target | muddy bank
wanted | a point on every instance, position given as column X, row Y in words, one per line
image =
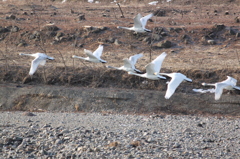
column 62, row 98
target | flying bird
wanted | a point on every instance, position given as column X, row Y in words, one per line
column 176, row 80
column 152, row 68
column 93, row 57
column 40, row 59
column 129, row 64
column 153, row 3
column 139, row 23
column 228, row 84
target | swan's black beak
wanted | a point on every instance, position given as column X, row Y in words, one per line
column 149, row 31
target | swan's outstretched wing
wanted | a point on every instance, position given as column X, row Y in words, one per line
column 150, row 69
column 232, row 80
column 87, row 51
column 229, row 80
column 145, row 19
column 98, row 52
column 127, row 63
column 187, row 79
column 43, row 62
column 219, row 90
column 34, row 65
column 137, row 22
column 134, row 58
column 157, row 63
column 89, row 54
column 172, row 85
column 213, row 90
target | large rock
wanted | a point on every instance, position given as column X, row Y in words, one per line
column 218, row 27
column 51, row 33
column 232, row 31
column 4, row 30
column 160, row 13
column 156, row 37
column 81, row 17
column 164, row 44
column 161, row 31
column 35, row 35
column 13, row 28
column 11, row 16
column 50, row 28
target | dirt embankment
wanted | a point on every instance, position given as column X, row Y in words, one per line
column 107, row 100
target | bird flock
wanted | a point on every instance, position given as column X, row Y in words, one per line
column 152, row 69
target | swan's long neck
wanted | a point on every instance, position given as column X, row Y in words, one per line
column 102, row 61
column 78, row 57
column 188, row 79
column 136, row 74
column 162, row 77
column 165, row 74
column 113, row 67
column 125, row 28
column 208, row 84
column 138, row 71
column 26, row 54
column 147, row 30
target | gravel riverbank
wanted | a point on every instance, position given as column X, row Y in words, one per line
column 94, row 135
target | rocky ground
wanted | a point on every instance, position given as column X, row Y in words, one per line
column 83, row 135
column 201, row 40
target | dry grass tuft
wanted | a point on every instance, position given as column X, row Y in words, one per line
column 102, row 78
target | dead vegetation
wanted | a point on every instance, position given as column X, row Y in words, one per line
column 204, row 41
column 107, row 78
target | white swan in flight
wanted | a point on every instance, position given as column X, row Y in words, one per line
column 93, row 57
column 40, row 58
column 129, row 64
column 177, row 78
column 152, row 68
column 139, row 23
column 228, row 84
column 153, row 3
